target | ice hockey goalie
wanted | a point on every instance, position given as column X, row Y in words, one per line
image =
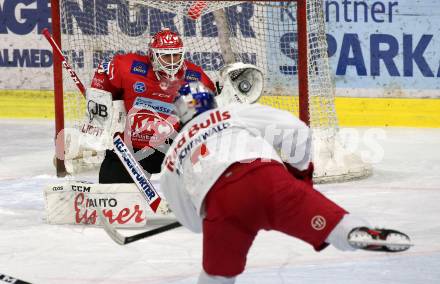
column 147, row 85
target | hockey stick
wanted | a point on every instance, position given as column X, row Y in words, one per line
column 132, row 166
column 56, row 49
column 144, row 185
column 135, row 171
column 123, row 240
column 8, row 279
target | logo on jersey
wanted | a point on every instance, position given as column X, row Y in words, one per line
column 139, row 68
column 154, row 105
column 200, row 152
column 192, row 140
column 162, row 95
column 104, row 68
column 191, row 76
column 139, row 87
column 318, row 223
column 146, row 126
column 98, row 83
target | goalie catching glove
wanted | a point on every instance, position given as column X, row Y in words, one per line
column 103, row 118
column 242, row 83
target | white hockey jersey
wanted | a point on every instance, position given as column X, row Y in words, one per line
column 214, row 140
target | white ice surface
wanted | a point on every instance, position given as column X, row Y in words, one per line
column 403, row 193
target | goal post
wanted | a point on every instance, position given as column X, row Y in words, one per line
column 58, row 92
column 286, row 39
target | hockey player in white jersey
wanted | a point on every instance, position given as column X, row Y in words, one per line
column 240, row 168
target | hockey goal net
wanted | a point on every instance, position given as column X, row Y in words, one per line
column 286, row 39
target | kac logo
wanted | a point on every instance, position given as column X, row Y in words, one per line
column 139, row 87
column 152, row 128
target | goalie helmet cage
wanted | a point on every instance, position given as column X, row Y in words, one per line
column 286, row 39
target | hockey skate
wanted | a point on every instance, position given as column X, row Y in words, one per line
column 378, row 240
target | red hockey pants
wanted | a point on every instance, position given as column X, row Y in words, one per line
column 261, row 195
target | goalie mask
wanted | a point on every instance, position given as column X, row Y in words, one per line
column 242, row 83
column 193, row 99
column 167, row 52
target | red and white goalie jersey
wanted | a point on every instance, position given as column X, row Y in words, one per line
column 216, row 139
column 148, row 97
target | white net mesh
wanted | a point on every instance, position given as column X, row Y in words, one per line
column 214, row 32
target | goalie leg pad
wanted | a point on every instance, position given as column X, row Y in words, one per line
column 77, row 203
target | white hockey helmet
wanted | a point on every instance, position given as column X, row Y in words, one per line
column 242, row 83
column 167, row 52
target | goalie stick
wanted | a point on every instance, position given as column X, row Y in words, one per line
column 142, row 182
column 56, row 49
column 123, row 240
column 132, row 166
